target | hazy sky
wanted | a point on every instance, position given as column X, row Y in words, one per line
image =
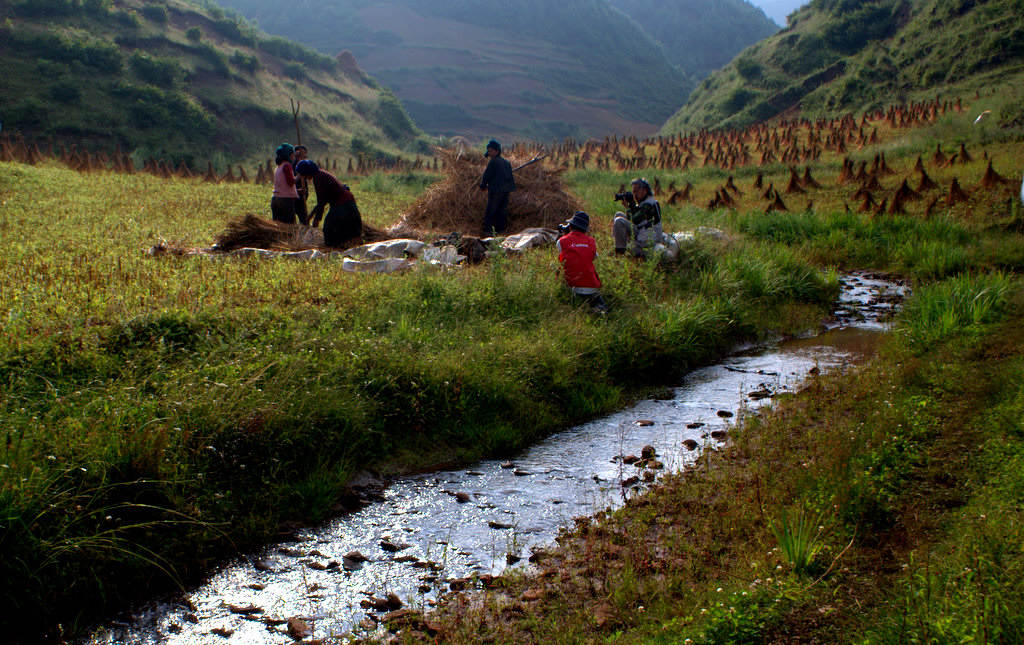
column 777, row 10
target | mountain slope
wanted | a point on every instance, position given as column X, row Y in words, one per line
column 852, row 55
column 528, row 68
column 181, row 80
column 700, row 35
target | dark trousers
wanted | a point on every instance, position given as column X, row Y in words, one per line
column 496, row 216
column 283, row 209
column 342, row 224
column 595, row 300
column 301, row 211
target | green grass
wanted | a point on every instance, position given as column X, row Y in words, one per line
column 162, row 412
column 958, row 305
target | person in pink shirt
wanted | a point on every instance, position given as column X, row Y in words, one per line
column 282, row 204
column 576, row 252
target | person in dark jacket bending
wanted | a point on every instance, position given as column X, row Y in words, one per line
column 498, row 183
column 343, row 221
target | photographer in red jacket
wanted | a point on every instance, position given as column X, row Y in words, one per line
column 576, row 252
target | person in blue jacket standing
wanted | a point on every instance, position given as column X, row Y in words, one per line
column 498, row 183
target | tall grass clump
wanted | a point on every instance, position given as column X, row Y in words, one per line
column 799, row 535
column 771, row 275
column 953, row 306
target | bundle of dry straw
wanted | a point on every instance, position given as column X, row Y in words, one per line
column 254, row 232
column 457, row 203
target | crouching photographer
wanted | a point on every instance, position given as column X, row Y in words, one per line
column 576, row 252
column 638, row 229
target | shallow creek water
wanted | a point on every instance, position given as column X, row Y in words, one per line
column 430, row 532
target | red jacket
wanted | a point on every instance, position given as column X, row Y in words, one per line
column 576, row 252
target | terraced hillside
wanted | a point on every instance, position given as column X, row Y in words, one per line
column 700, row 36
column 846, row 55
column 184, row 81
column 536, row 70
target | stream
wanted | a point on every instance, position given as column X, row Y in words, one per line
column 428, row 533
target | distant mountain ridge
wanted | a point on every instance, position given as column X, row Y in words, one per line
column 512, row 68
column 700, row 36
column 184, row 81
column 855, row 55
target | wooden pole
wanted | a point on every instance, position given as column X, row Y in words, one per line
column 296, row 106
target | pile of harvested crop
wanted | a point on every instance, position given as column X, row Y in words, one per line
column 257, row 233
column 457, row 203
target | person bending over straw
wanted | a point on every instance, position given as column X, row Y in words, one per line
column 343, row 222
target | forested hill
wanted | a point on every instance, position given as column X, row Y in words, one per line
column 700, row 36
column 182, row 81
column 526, row 68
column 851, row 55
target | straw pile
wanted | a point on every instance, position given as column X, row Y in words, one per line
column 457, row 203
column 254, row 232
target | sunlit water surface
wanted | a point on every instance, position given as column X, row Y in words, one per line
column 450, row 525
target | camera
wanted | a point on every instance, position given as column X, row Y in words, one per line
column 626, row 197
column 563, row 228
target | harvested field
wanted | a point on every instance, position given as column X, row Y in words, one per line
column 541, row 199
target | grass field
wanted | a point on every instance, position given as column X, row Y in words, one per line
column 160, row 413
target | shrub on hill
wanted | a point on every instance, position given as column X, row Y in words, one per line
column 163, row 72
column 155, row 12
column 102, row 56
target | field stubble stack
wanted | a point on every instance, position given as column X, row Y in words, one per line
column 456, row 203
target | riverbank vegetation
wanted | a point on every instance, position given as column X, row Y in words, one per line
column 878, row 506
column 162, row 412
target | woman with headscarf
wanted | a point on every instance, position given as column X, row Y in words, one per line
column 343, row 221
column 282, row 204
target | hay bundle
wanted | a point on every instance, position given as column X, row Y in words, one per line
column 254, row 232
column 457, row 203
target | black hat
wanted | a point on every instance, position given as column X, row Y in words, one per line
column 642, row 182
column 493, row 143
column 580, row 220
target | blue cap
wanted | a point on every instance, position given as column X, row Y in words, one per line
column 306, row 167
